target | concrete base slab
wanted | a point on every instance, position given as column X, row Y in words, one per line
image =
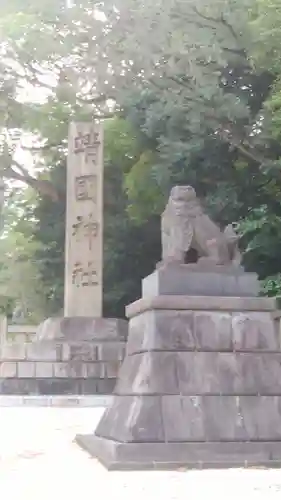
column 172, row 456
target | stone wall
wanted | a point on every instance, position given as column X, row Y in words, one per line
column 59, row 366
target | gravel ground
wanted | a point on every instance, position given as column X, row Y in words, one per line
column 38, row 460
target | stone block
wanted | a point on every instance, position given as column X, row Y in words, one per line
column 25, row 369
column 254, row 331
column 111, row 351
column 78, row 329
column 197, row 373
column 234, row 373
column 58, row 386
column 174, row 331
column 111, row 369
column 42, row 351
column 127, row 374
column 229, row 374
column 180, row 331
column 8, row 369
column 183, row 418
column 148, row 373
column 13, row 352
column 261, row 416
column 185, row 302
column 18, row 386
column 82, row 351
column 260, row 373
column 95, row 370
column 141, row 327
column 89, row 386
column 222, row 419
column 105, row 385
column 133, row 419
column 213, row 330
column 194, row 280
column 44, row 369
column 74, row 369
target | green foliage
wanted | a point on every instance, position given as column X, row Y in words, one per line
column 195, row 90
column 271, row 286
column 20, row 279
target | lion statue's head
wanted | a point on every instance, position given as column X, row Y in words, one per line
column 183, row 194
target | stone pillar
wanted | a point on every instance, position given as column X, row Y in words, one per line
column 84, row 221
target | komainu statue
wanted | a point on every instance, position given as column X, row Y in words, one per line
column 187, row 230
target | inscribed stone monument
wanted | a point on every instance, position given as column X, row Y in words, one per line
column 84, row 221
column 200, row 385
column 81, row 352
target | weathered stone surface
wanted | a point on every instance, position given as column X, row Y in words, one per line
column 259, row 373
column 127, row 374
column 197, row 373
column 42, row 351
column 82, row 351
column 25, row 369
column 184, row 280
column 111, row 369
column 55, row 386
column 18, row 386
column 148, row 373
column 111, row 351
column 255, row 331
column 174, row 331
column 8, row 369
column 213, row 330
column 184, row 302
column 74, row 369
column 262, row 416
column 13, row 352
column 83, row 328
column 183, row 418
column 141, row 329
column 204, row 330
column 44, row 370
column 95, row 370
column 84, row 209
column 133, row 419
column 161, row 330
column 104, row 385
column 141, row 456
column 222, row 419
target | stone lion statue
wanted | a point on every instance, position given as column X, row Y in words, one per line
column 186, row 228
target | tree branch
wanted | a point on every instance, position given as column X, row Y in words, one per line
column 43, row 187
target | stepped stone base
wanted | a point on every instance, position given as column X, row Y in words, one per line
column 168, row 456
column 200, row 386
column 69, row 356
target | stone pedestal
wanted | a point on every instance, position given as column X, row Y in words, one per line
column 69, row 356
column 200, row 386
column 191, row 279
